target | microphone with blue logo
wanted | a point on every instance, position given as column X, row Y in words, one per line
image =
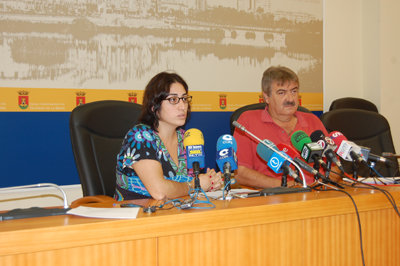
column 226, row 158
column 276, row 162
column 194, row 144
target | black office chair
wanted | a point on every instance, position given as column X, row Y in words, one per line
column 365, row 128
column 353, row 103
column 97, row 130
column 235, row 115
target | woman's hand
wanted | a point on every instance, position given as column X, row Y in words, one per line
column 211, row 181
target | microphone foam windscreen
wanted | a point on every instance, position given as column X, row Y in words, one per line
column 226, row 142
column 299, row 138
column 270, row 143
column 193, row 136
column 337, row 137
column 292, row 153
column 264, row 152
column 317, row 135
column 226, row 152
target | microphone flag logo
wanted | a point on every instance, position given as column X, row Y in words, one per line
column 336, row 134
column 305, row 153
column 275, row 163
column 224, row 153
column 195, row 150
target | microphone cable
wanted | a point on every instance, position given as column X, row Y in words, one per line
column 224, row 189
column 387, row 194
column 357, row 214
column 195, row 196
column 184, row 204
column 378, row 175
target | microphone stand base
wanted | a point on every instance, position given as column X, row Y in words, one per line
column 32, row 212
column 283, row 190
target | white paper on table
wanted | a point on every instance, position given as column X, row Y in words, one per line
column 218, row 194
column 108, row 213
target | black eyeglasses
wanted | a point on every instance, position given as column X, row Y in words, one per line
column 175, row 99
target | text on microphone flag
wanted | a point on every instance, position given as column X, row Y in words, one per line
column 195, row 150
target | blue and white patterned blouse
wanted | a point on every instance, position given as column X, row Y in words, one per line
column 141, row 142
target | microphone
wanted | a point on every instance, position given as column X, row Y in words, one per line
column 389, row 154
column 226, row 157
column 301, row 163
column 363, row 152
column 309, row 151
column 380, row 159
column 328, row 146
column 193, row 142
column 347, row 150
column 292, row 153
column 275, row 161
column 274, row 148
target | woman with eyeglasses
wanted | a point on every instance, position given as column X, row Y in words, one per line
column 152, row 160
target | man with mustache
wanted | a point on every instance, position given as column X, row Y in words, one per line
column 277, row 122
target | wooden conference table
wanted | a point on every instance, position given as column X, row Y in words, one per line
column 315, row 228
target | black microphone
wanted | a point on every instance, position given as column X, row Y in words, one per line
column 309, row 151
column 328, row 145
column 389, row 154
column 308, row 168
column 311, row 170
column 380, row 159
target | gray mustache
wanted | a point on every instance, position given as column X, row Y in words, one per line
column 289, row 103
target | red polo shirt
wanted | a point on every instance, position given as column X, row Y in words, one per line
column 260, row 123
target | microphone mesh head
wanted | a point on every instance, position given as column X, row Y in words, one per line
column 317, row 135
column 225, row 142
column 337, row 137
column 193, row 136
column 264, row 152
column 299, row 138
column 288, row 150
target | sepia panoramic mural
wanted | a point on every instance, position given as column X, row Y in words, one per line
column 56, row 54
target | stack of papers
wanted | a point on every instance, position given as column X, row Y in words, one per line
column 108, row 213
column 238, row 192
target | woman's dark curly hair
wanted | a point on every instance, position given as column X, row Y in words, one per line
column 155, row 92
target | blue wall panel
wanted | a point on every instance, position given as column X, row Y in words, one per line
column 36, row 147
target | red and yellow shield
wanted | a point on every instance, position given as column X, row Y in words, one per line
column 80, row 98
column 222, row 101
column 132, row 97
column 23, row 99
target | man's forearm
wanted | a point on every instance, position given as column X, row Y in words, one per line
column 249, row 177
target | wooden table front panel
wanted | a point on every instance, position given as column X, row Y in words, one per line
column 331, row 240
column 317, row 228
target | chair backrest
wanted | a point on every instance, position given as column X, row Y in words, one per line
column 97, row 130
column 353, row 103
column 235, row 115
column 365, row 128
